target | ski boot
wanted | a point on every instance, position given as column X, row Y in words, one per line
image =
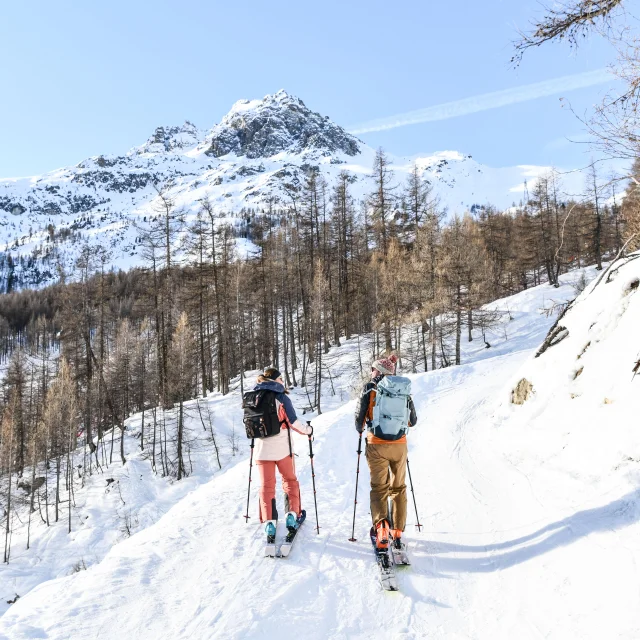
column 382, row 535
column 293, row 523
column 399, row 549
column 270, row 530
column 291, row 520
column 396, row 536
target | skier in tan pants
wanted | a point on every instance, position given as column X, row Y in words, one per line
column 387, row 459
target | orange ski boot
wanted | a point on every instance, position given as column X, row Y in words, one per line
column 382, row 534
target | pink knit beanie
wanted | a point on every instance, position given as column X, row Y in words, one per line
column 386, row 365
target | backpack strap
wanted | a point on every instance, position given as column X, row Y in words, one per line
column 289, row 435
column 285, row 423
column 372, row 403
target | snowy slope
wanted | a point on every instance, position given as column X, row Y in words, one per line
column 531, row 512
column 113, row 500
column 258, row 153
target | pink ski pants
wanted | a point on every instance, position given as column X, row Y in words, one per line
column 267, row 469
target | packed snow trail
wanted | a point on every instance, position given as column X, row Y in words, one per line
column 529, row 532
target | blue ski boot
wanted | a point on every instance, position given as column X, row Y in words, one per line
column 270, row 530
column 291, row 521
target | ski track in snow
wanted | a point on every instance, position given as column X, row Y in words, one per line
column 519, row 540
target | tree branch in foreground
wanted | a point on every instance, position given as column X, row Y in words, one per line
column 568, row 22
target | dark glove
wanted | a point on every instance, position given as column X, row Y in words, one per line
column 360, row 428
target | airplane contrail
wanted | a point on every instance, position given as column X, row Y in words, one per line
column 487, row 101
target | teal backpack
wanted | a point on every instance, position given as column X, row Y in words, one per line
column 391, row 409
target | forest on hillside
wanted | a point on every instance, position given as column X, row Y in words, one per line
column 100, row 346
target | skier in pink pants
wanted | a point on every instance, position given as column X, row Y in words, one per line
column 277, row 451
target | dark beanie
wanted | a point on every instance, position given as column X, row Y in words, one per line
column 271, row 373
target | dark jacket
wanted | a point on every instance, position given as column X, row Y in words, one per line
column 365, row 399
column 281, row 396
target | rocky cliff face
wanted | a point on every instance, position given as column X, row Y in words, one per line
column 166, row 139
column 264, row 128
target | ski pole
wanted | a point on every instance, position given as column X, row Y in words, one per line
column 414, row 497
column 355, row 500
column 247, row 516
column 313, row 479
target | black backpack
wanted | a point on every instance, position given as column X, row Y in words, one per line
column 260, row 414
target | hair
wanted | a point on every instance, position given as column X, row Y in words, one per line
column 263, row 378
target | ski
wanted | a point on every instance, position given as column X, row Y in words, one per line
column 270, row 547
column 292, row 534
column 384, row 561
column 400, row 554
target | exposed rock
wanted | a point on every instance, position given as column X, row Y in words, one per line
column 171, row 139
column 522, row 392
column 14, row 208
column 261, row 129
column 108, row 162
column 586, row 346
column 250, row 171
column 115, row 181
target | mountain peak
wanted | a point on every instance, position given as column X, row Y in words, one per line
column 276, row 123
column 280, row 98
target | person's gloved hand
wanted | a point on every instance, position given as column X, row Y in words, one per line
column 359, row 428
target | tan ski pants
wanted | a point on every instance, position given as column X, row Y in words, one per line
column 388, row 466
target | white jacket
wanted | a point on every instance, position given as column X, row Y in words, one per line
column 277, row 447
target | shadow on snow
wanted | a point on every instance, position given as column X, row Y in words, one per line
column 620, row 513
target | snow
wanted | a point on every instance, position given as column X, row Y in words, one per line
column 244, row 105
column 531, row 513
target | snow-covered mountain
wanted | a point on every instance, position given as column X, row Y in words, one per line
column 259, row 151
column 530, row 512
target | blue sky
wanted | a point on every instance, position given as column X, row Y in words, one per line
column 84, row 78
